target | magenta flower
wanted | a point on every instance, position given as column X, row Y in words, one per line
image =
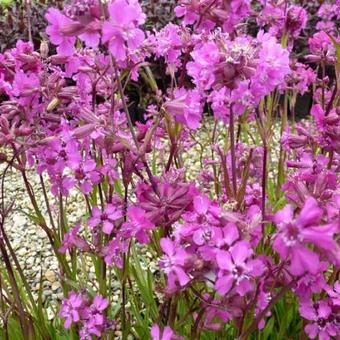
column 26, row 87
column 312, row 283
column 94, row 319
column 114, row 250
column 99, row 303
column 61, row 184
column 237, row 269
column 87, row 175
column 71, row 239
column 57, row 21
column 322, row 325
column 71, row 308
column 91, row 36
column 293, row 234
column 173, row 200
column 138, row 225
column 296, row 20
column 272, row 68
column 334, row 293
column 106, row 218
column 173, row 264
column 186, row 107
column 227, row 236
column 205, row 56
column 121, row 31
column 166, row 334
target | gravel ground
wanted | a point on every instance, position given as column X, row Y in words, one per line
column 30, row 241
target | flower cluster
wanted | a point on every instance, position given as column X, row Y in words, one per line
column 77, row 308
column 255, row 228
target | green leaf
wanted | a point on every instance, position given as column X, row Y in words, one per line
column 14, row 329
column 145, row 284
column 6, row 3
column 268, row 330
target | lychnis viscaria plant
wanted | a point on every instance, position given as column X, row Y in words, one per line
column 244, row 245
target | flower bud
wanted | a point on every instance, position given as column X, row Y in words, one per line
column 26, row 58
column 52, row 118
column 58, row 59
column 53, row 104
column 83, row 131
column 72, row 29
column 44, row 49
column 23, row 131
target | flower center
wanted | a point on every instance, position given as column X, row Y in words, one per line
column 292, row 235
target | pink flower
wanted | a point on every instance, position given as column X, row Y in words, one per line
column 334, row 293
column 169, row 44
column 322, row 325
column 114, row 250
column 193, row 11
column 205, row 57
column 166, row 334
column 173, row 200
column 26, row 87
column 138, row 225
column 57, row 21
column 320, row 44
column 172, row 263
column 186, row 107
column 71, row 239
column 94, row 319
column 87, row 175
column 272, row 68
column 236, row 269
column 71, row 308
column 296, row 20
column 61, row 184
column 294, row 233
column 220, row 102
column 106, row 218
column 121, row 31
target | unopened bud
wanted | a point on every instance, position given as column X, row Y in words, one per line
column 58, row 59
column 85, row 69
column 29, row 92
column 53, row 104
column 72, row 29
column 50, row 117
column 26, row 58
column 313, row 58
column 23, row 131
column 83, row 131
column 44, row 49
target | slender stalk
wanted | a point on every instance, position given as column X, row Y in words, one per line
column 264, row 181
column 121, row 93
column 173, row 149
column 124, row 276
column 232, row 150
column 47, row 202
column 331, row 101
column 281, row 164
column 61, row 216
column 26, row 327
column 132, row 131
column 29, row 17
column 226, row 179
